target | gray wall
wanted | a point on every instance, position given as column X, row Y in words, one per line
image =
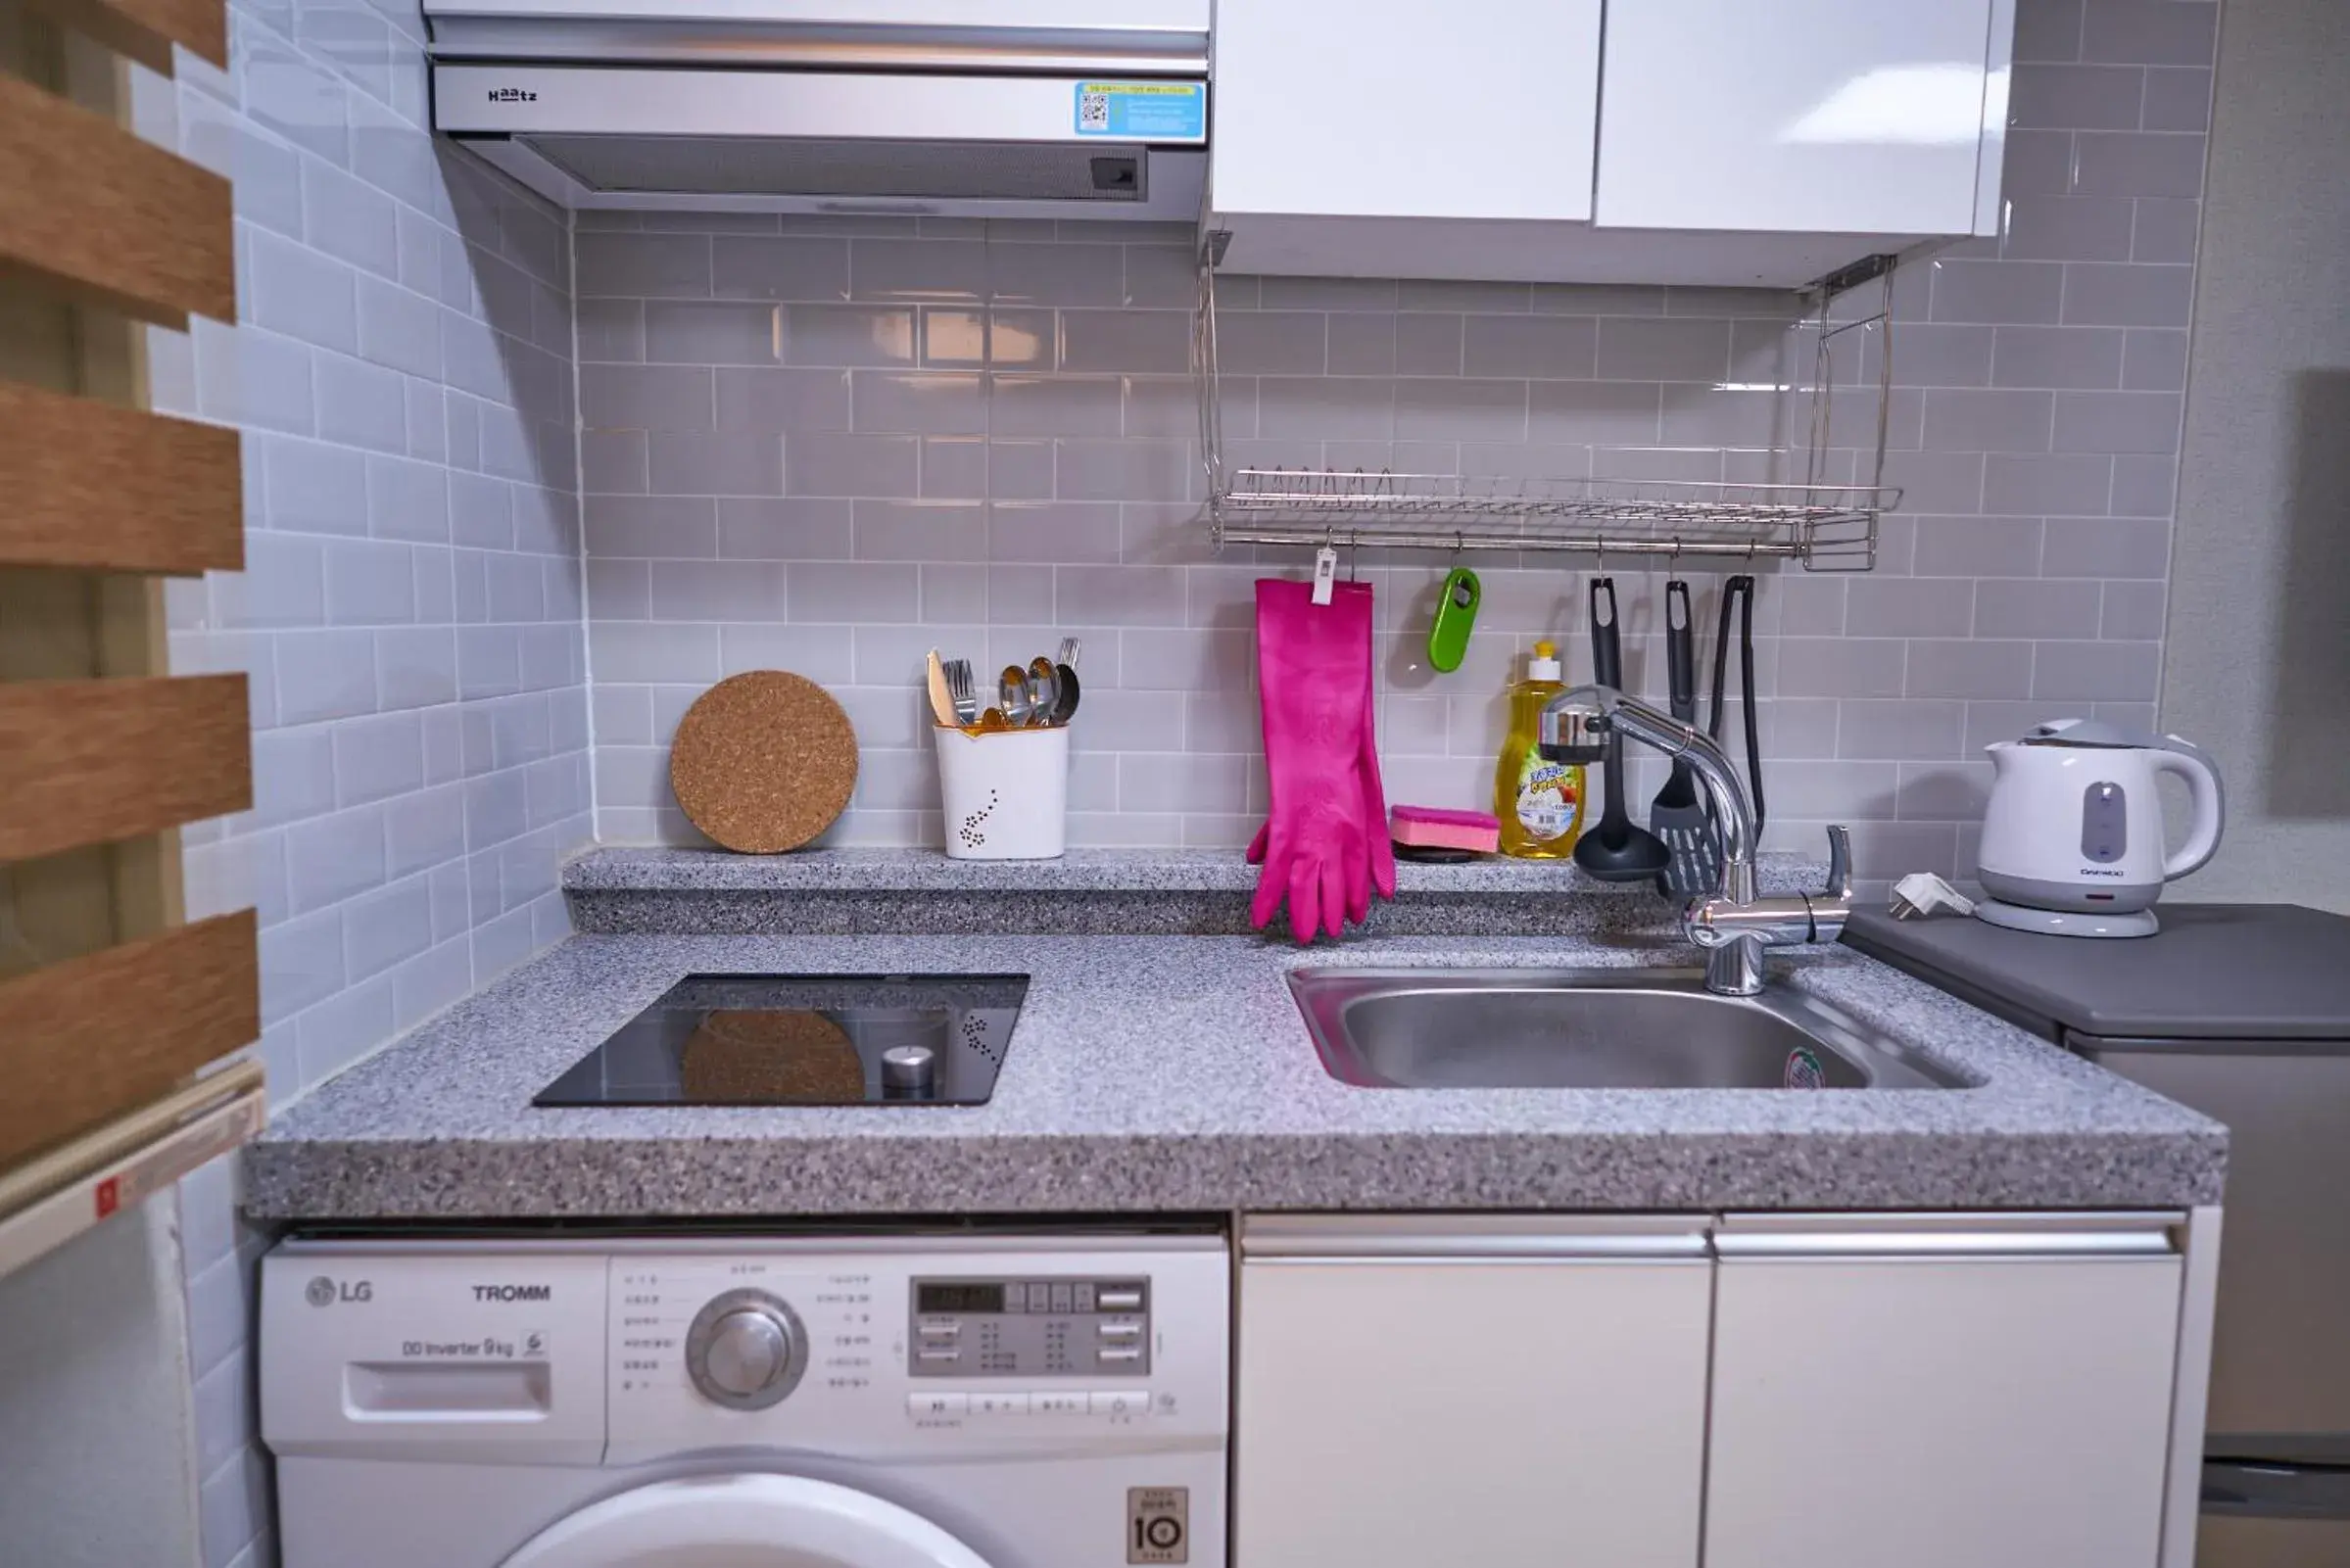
column 828, row 444
column 410, row 615
column 97, row 1462
column 2258, row 667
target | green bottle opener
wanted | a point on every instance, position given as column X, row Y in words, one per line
column 1455, row 618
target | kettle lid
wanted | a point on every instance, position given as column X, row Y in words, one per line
column 2090, row 733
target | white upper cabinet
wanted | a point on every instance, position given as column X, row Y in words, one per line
column 1827, row 115
column 1703, row 141
column 1476, row 108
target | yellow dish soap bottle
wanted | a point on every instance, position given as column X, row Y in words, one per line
column 1540, row 802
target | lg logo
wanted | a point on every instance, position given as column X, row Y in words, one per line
column 324, row 1291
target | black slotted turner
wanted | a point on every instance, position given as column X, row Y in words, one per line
column 1677, row 816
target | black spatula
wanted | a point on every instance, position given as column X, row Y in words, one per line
column 1617, row 851
column 1676, row 815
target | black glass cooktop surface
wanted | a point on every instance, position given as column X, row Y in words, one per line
column 804, row 1039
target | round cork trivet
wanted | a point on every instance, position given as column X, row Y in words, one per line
column 763, row 760
column 761, row 1056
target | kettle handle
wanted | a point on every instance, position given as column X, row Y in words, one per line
column 2192, row 763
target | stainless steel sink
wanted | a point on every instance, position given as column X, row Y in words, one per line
column 1589, row 1029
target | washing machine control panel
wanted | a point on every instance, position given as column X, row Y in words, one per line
column 622, row 1353
column 1061, row 1326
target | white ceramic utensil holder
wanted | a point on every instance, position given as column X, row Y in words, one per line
column 1005, row 794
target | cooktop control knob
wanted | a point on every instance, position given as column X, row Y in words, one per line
column 909, row 1068
column 746, row 1351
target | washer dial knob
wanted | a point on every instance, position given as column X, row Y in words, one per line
column 747, row 1350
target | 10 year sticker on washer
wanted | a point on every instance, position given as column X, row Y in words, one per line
column 1158, row 1524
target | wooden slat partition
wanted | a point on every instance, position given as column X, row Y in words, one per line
column 90, row 1039
column 86, row 762
column 91, row 485
column 146, row 30
column 87, row 207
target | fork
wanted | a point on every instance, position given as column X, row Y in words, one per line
column 960, row 692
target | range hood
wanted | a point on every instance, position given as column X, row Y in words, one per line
column 1051, row 109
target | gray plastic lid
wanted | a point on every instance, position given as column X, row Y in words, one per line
column 2090, row 733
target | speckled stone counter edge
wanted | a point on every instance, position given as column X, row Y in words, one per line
column 1175, row 892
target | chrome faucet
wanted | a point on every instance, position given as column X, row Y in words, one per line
column 1735, row 925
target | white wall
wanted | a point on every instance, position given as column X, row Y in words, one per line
column 2258, row 666
column 795, row 453
column 409, row 612
column 97, row 1462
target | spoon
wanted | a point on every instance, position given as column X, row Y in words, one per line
column 1047, row 686
column 1018, row 698
column 1065, row 705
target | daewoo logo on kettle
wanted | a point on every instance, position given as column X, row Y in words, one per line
column 2072, row 837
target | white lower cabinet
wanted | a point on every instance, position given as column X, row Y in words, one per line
column 1508, row 1393
column 1926, row 1390
column 1969, row 1391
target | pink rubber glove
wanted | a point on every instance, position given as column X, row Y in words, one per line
column 1375, row 800
column 1324, row 845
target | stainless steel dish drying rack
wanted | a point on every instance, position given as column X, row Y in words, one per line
column 1825, row 524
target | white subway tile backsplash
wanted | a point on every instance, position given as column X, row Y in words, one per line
column 2139, row 163
column 2112, row 294
column 2177, row 98
column 642, row 266
column 2007, row 292
column 2152, row 33
column 2076, row 97
column 725, row 464
column 2117, row 422
column 2055, row 356
column 2069, row 228
column 987, row 433
column 1949, row 667
column 2067, row 485
column 2030, row 608
column 369, row 583
column 2107, row 547
column 361, row 404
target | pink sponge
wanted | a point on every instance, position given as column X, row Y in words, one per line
column 1428, row 827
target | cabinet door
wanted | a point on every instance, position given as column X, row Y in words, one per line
column 1388, row 109
column 1507, row 1394
column 1940, row 1394
column 1814, row 115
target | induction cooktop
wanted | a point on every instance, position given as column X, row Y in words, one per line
column 804, row 1040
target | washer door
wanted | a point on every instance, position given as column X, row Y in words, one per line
column 744, row 1521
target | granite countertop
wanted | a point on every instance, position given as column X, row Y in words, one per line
column 614, row 868
column 1134, row 892
column 1174, row 1074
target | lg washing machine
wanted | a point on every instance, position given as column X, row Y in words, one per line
column 966, row 1400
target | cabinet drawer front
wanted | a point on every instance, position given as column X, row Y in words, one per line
column 1817, row 115
column 1497, row 1412
column 1940, row 1412
column 1377, row 108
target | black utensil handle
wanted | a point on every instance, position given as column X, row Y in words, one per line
column 1680, row 655
column 1746, row 687
column 1606, row 648
column 1721, row 662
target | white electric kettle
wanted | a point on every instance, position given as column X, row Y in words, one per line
column 2072, row 837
